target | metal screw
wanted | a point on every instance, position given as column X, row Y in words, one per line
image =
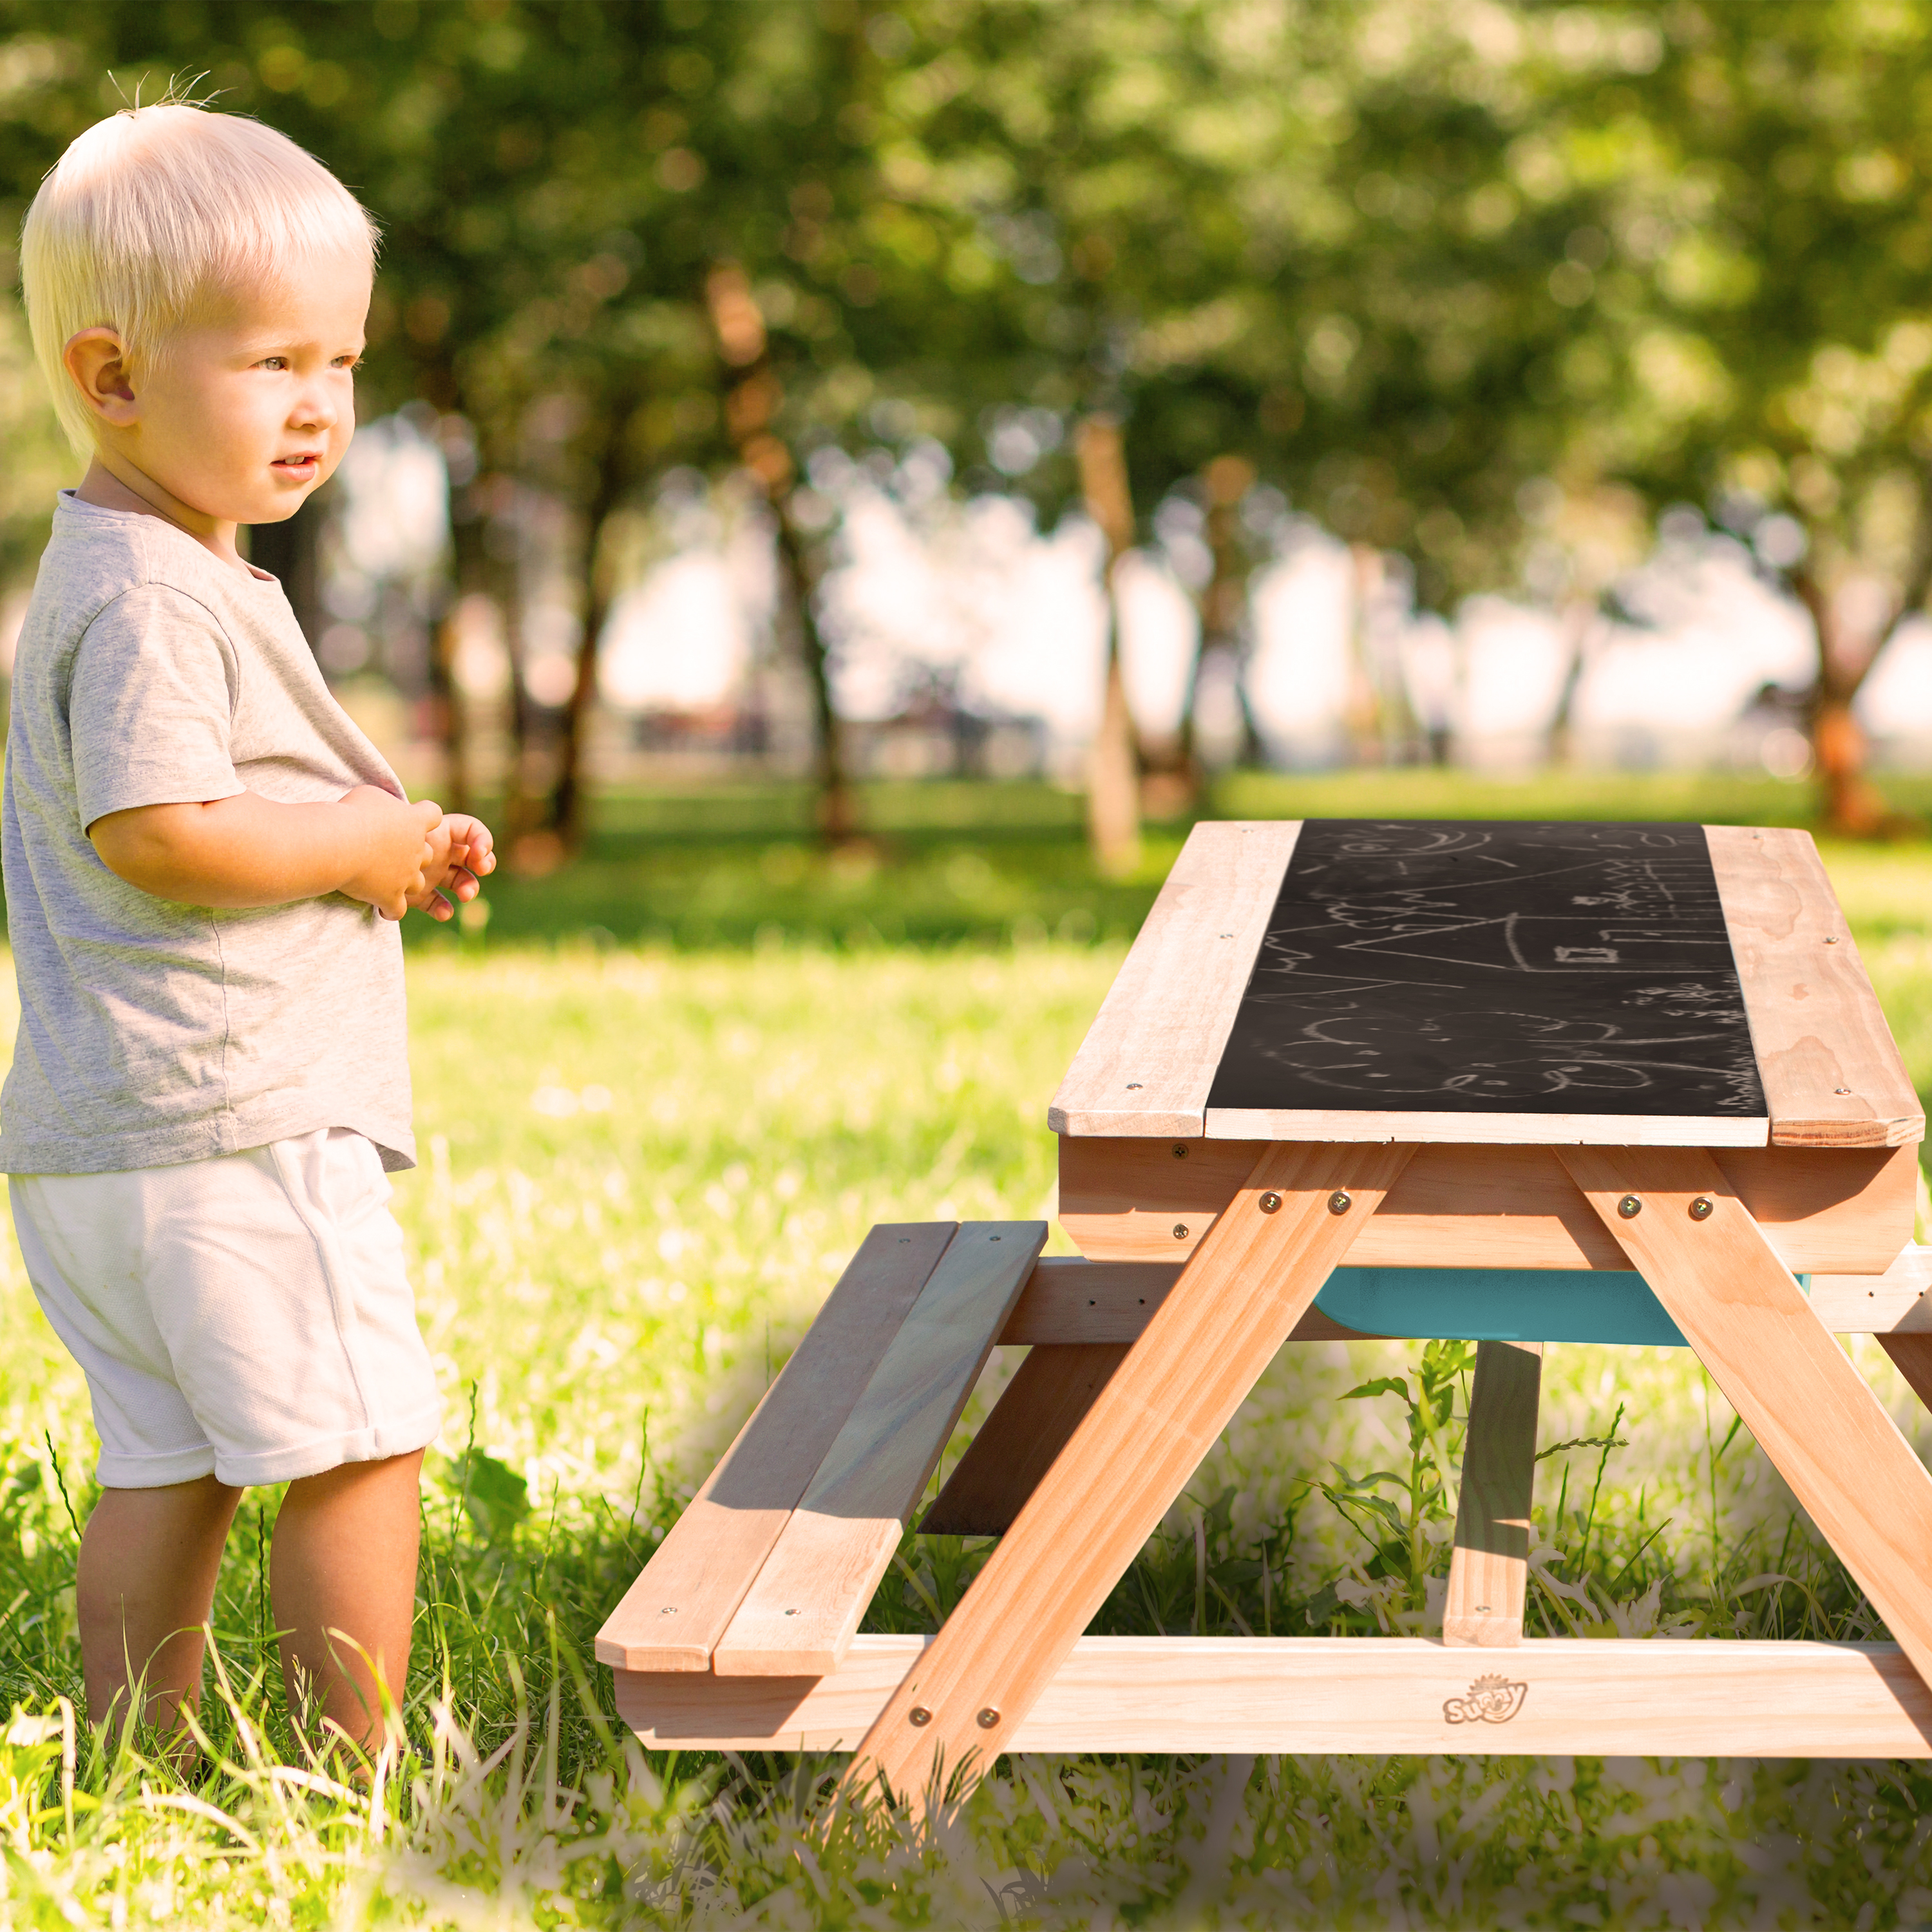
column 1133, row 1086
column 988, row 1718
column 1841, row 1090
column 1830, row 940
column 920, row 1716
column 1482, row 1609
column 1180, row 1231
column 791, row 1613
column 1269, row 1202
column 1702, row 1208
column 1629, row 1206
column 1181, row 1154
column 1227, row 935
column 669, row 1610
column 1340, row 1202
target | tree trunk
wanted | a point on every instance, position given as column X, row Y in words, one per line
column 1113, row 787
column 1849, row 805
column 1223, row 609
column 614, row 478
column 751, row 400
column 1380, row 719
column 1578, row 624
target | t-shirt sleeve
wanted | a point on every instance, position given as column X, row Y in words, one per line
column 149, row 705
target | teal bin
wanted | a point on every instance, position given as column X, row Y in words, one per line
column 1502, row 1305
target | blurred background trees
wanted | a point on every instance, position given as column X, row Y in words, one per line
column 1474, row 307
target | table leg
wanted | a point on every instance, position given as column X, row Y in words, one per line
column 1781, row 1369
column 1489, row 1568
column 1236, row 1301
column 1912, row 1356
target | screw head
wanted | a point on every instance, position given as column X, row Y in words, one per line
column 1133, row 1086
column 1831, row 939
column 791, row 1613
column 1629, row 1206
column 1180, row 1231
column 1702, row 1208
column 919, row 1717
column 1269, row 1203
column 1181, row 1154
column 669, row 1610
column 1841, row 1091
column 1340, row 1202
column 987, row 1718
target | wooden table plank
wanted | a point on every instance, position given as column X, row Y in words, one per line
column 1840, row 1210
column 1293, row 1123
column 1780, row 1368
column 1557, row 1696
column 1150, row 1057
column 799, row 1615
column 671, row 1617
column 1489, row 1566
column 1163, row 1408
column 1832, row 1075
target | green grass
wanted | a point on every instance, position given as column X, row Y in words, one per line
column 944, row 862
column 642, row 1171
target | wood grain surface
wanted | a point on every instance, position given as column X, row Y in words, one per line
column 798, row 1616
column 1489, row 1565
column 1839, row 1210
column 1781, row 1370
column 1036, row 1414
column 1832, row 1075
column 1149, row 1058
column 1366, row 1695
column 1235, row 1305
column 1070, row 1302
column 673, row 1614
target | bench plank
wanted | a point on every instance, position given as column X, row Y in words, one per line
column 671, row 1618
column 797, row 1619
column 1832, row 1075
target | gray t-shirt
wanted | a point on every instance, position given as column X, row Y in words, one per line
column 149, row 673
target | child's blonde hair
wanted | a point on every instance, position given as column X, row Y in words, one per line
column 154, row 209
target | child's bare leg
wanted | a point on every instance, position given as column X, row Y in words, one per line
column 344, row 1560
column 148, row 1560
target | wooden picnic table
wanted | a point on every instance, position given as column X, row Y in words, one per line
column 1514, row 1083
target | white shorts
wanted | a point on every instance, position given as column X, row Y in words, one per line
column 248, row 1316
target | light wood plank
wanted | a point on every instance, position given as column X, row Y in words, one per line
column 1832, row 1075
column 1323, row 1123
column 799, row 1615
column 1235, row 1305
column 1845, row 1210
column 1353, row 1695
column 1069, row 1302
column 674, row 1613
column 1488, row 1566
column 1035, row 1417
column 1780, row 1369
column 1151, row 1056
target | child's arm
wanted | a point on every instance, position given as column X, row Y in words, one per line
column 247, row 850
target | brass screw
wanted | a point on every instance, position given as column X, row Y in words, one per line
column 1702, row 1208
column 1180, row 1231
column 1269, row 1202
column 988, row 1718
column 920, row 1716
column 1340, row 1202
column 1629, row 1206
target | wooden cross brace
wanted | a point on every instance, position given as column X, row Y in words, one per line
column 1129, row 1442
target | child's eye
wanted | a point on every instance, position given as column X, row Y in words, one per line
column 273, row 362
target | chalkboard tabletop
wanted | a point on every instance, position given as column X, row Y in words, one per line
column 1500, row 982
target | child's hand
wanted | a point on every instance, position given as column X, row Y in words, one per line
column 471, row 858
column 402, row 845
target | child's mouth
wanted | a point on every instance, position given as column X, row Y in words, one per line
column 302, row 468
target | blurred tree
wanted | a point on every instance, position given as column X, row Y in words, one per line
column 1767, row 243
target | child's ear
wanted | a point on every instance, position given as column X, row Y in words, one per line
column 95, row 360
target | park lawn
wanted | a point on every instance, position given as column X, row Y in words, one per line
column 642, row 1170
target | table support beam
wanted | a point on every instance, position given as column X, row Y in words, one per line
column 1825, row 1431
column 1236, row 1302
column 1489, row 1568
